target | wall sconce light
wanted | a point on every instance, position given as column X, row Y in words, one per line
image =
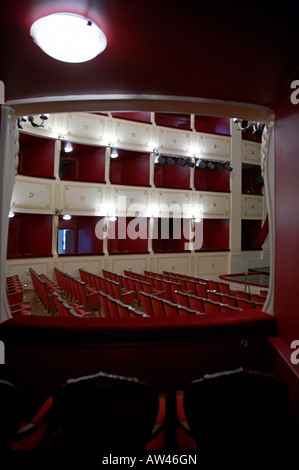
column 11, row 214
column 68, row 147
column 58, row 212
column 114, row 153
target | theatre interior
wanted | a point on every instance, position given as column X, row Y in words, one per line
column 149, row 227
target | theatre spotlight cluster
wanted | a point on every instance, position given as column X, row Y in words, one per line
column 31, row 119
column 163, row 159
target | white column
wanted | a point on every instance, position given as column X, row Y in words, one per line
column 9, row 149
column 236, row 196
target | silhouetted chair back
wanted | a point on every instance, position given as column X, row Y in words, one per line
column 236, row 411
column 102, row 411
column 10, row 413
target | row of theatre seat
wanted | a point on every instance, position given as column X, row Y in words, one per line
column 15, row 296
column 191, row 294
column 212, row 285
column 118, row 295
column 54, row 299
column 94, row 413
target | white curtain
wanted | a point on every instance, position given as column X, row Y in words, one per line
column 8, row 160
column 269, row 176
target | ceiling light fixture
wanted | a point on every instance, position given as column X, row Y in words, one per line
column 68, row 37
column 67, row 217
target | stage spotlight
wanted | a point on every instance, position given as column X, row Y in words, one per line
column 228, row 167
column 190, row 163
column 200, row 164
column 181, row 162
column 211, row 166
column 170, row 161
column 161, row 160
column 220, row 166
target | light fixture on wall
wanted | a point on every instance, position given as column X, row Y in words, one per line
column 190, row 163
column 31, row 119
column 243, row 125
column 68, row 147
column 161, row 160
column 181, row 162
column 68, row 37
column 11, row 214
column 228, row 167
column 170, row 161
column 201, row 164
column 64, row 216
column 114, row 153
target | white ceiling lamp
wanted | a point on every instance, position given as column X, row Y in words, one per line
column 68, row 37
column 67, row 217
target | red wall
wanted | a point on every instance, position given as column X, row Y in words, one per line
column 36, row 156
column 287, row 219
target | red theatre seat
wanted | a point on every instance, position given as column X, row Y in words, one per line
column 248, row 409
column 99, row 413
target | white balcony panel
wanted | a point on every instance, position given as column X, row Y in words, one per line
column 29, row 194
column 86, row 128
column 85, row 199
column 131, row 135
column 215, row 205
column 214, row 147
column 174, row 141
column 252, row 207
column 131, row 202
column 251, row 152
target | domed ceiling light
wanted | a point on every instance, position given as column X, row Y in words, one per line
column 68, row 37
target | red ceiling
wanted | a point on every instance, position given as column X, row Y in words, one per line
column 218, row 50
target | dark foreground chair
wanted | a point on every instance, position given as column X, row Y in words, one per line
column 104, row 412
column 10, row 413
column 233, row 412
